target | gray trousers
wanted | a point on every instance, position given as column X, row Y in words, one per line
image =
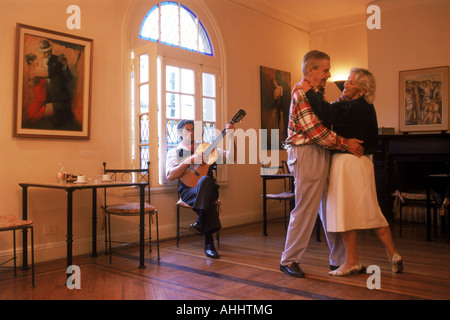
column 310, row 165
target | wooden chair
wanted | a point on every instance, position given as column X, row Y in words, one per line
column 9, row 223
column 404, row 197
column 288, row 194
column 445, row 212
column 445, row 206
column 181, row 204
column 129, row 209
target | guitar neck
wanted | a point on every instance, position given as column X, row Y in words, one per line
column 216, row 141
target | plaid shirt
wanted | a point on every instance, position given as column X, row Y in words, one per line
column 305, row 128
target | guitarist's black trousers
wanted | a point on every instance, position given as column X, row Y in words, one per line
column 202, row 199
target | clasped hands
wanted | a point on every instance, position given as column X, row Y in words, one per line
column 354, row 145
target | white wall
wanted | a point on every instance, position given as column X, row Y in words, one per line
column 411, row 37
column 27, row 159
column 345, row 41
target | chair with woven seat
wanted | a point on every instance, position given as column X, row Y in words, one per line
column 404, row 197
column 9, row 223
column 129, row 209
column 288, row 194
column 181, row 204
column 445, row 205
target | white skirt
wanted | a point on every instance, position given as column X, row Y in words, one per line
column 351, row 200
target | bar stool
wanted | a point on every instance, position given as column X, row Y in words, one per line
column 9, row 223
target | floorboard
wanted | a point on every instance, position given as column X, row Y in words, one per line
column 248, row 270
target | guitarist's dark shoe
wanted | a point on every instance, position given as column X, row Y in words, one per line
column 211, row 251
column 196, row 228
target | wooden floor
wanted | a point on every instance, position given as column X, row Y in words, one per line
column 248, row 270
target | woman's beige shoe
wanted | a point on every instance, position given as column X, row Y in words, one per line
column 352, row 270
column 397, row 263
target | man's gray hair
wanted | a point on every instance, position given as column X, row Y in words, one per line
column 312, row 58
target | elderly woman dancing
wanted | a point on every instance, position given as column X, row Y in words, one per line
column 351, row 201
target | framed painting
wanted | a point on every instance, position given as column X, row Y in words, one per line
column 275, row 103
column 424, row 100
column 53, row 75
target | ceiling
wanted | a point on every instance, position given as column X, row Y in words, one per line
column 318, row 10
column 304, row 13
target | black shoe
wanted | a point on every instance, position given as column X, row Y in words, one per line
column 211, row 251
column 196, row 228
column 293, row 270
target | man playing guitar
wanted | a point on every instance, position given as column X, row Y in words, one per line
column 201, row 197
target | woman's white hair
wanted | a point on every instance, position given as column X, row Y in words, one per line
column 366, row 81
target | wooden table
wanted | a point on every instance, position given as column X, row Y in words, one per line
column 69, row 188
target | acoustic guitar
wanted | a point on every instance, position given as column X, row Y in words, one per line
column 196, row 171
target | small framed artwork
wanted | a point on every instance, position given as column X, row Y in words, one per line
column 424, row 100
column 53, row 75
column 275, row 103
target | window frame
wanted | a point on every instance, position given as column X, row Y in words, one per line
column 149, row 49
column 198, row 100
column 209, row 64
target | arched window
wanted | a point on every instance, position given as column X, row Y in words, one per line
column 176, row 75
column 174, row 24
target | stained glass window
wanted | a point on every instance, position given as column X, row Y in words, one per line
column 174, row 24
column 141, row 121
column 145, row 156
column 172, row 136
column 209, row 132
